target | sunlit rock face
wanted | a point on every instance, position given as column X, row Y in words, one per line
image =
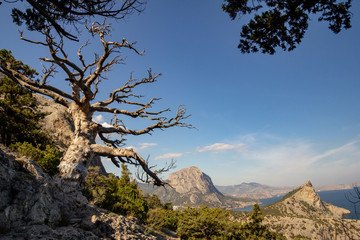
column 191, row 187
column 35, row 206
column 192, row 179
column 307, row 194
column 57, row 122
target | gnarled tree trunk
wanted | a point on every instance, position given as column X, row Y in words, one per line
column 76, row 160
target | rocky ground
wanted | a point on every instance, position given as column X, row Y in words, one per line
column 314, row 228
column 35, row 206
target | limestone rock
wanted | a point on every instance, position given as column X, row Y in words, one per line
column 57, row 121
column 191, row 187
column 307, row 194
column 192, row 179
column 36, row 206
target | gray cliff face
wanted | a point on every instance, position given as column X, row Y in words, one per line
column 192, row 179
column 35, row 206
column 191, row 187
column 56, row 122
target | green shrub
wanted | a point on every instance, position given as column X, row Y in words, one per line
column 202, row 223
column 161, row 217
column 48, row 158
column 19, row 115
column 119, row 195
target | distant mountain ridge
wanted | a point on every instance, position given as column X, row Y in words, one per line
column 191, row 187
column 253, row 190
column 260, row 191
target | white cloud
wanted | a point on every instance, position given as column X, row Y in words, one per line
column 106, row 125
column 142, row 146
column 169, row 155
column 98, row 118
column 146, row 145
column 221, row 147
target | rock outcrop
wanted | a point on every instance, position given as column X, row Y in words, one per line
column 305, row 202
column 192, row 179
column 191, row 187
column 56, row 122
column 301, row 213
column 35, row 206
column 307, row 194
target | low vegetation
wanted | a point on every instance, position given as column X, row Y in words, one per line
column 19, row 126
column 118, row 195
column 123, row 196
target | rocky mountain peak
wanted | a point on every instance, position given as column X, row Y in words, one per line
column 307, row 193
column 192, row 179
column 305, row 202
column 192, row 187
column 308, row 183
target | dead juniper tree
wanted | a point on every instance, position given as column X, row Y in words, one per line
column 84, row 79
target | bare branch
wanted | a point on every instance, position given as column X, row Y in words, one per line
column 161, row 123
column 30, row 41
column 126, row 90
column 128, row 154
column 102, row 30
column 144, row 177
column 113, row 143
column 50, row 91
column 354, row 198
column 47, row 72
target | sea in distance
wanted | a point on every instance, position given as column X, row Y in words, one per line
column 335, row 197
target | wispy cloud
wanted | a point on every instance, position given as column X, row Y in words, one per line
column 146, row 145
column 142, row 146
column 299, row 160
column 222, row 147
column 342, row 149
column 169, row 155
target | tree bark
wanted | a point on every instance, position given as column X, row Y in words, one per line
column 77, row 158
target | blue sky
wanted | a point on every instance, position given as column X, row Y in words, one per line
column 277, row 120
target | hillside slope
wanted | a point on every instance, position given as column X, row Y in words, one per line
column 302, row 213
column 304, row 202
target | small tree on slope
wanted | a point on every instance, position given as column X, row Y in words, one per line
column 84, row 80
